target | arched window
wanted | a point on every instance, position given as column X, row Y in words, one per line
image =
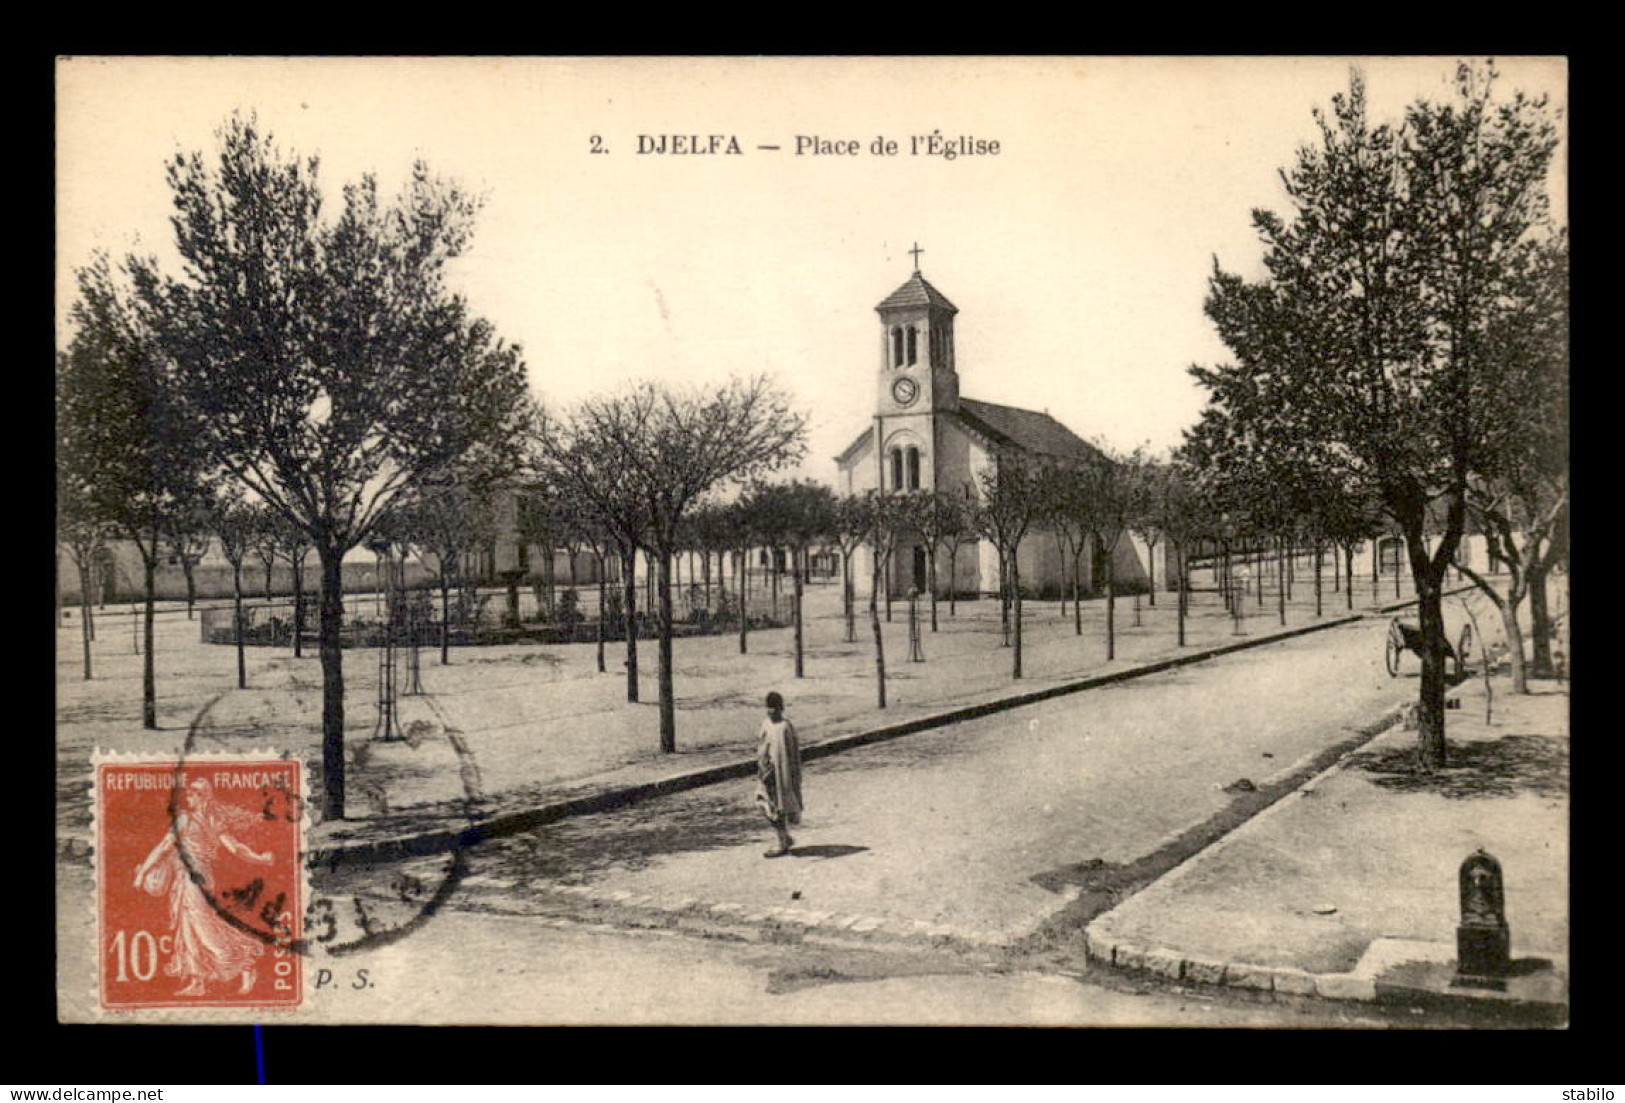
column 897, row 346
column 914, row 469
column 897, row 469
column 913, row 344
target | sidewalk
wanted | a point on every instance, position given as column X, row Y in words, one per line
column 1347, row 889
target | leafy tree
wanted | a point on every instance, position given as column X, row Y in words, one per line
column 1519, row 495
column 330, row 369
column 1372, row 332
column 126, row 440
column 84, row 537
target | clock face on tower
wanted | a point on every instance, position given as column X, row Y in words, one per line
column 905, row 391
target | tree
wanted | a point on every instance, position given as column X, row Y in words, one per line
column 940, row 519
column 126, row 439
column 1519, row 496
column 1069, row 513
column 583, row 459
column 447, row 520
column 1184, row 518
column 1012, row 501
column 186, row 535
column 293, row 546
column 679, row 445
column 1371, row 333
column 883, row 517
column 851, row 530
column 84, row 537
column 648, row 456
column 236, row 525
column 330, row 369
column 796, row 514
column 1113, row 494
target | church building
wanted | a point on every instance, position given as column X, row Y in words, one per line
column 926, row 436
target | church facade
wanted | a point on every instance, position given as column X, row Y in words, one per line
column 925, row 436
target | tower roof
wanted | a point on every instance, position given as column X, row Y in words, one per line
column 916, row 292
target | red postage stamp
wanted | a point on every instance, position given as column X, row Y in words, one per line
column 200, row 886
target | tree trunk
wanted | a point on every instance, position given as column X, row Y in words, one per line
column 445, row 615
column 1015, row 601
column 953, row 581
column 668, row 699
column 1283, row 580
column 1182, row 600
column 1319, row 554
column 931, row 584
column 1514, row 634
column 237, row 624
column 773, row 579
column 1540, row 620
column 874, row 621
column 1004, row 599
column 1348, row 576
column 332, row 654
column 85, row 632
column 629, row 564
column 298, row 606
column 190, row 570
column 744, row 598
column 1077, row 605
column 603, row 604
column 1432, row 752
column 1111, row 607
column 149, row 674
column 1151, row 571
column 796, row 596
column 848, row 599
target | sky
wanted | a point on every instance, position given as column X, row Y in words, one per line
column 1077, row 255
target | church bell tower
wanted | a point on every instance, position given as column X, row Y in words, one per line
column 916, row 380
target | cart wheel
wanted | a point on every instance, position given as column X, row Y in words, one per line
column 1464, row 648
column 1391, row 651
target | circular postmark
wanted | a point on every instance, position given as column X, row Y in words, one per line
column 357, row 898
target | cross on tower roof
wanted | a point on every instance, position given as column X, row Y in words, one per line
column 916, row 251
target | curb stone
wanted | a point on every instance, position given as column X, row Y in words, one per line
column 1103, row 946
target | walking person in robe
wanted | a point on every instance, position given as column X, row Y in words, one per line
column 778, row 774
column 183, row 866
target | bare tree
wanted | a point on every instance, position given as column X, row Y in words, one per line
column 679, row 445
column 1012, row 501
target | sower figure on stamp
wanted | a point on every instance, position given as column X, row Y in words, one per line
column 182, row 866
column 778, row 774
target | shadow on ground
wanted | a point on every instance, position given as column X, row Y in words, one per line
column 584, row 847
column 826, row 851
column 1503, row 767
